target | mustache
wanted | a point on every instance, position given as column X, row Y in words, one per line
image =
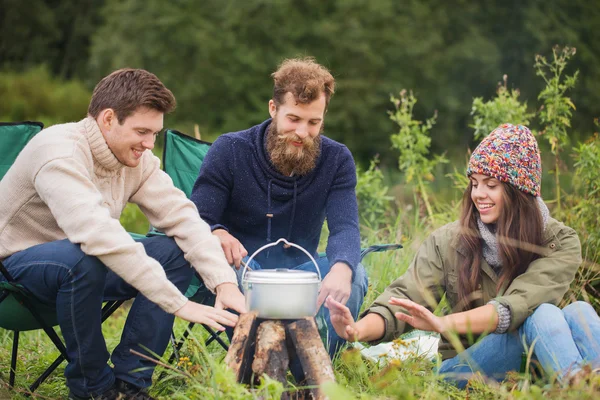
column 292, row 137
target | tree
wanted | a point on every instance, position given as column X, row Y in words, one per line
column 52, row 32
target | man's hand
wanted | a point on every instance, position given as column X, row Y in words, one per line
column 201, row 314
column 419, row 317
column 229, row 296
column 233, row 249
column 337, row 284
column 342, row 320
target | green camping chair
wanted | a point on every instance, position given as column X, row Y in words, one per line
column 19, row 309
column 13, row 137
column 182, row 158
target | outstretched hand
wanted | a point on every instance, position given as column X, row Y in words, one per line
column 201, row 314
column 229, row 296
column 418, row 316
column 342, row 320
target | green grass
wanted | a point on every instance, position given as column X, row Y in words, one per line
column 203, row 375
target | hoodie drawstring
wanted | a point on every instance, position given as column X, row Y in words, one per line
column 269, row 211
column 293, row 211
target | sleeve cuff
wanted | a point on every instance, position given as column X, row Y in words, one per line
column 352, row 268
column 218, row 226
column 503, row 316
column 391, row 331
column 519, row 311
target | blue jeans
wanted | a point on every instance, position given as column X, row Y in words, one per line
column 360, row 284
column 562, row 341
column 59, row 273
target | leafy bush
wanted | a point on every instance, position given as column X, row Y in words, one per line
column 374, row 202
column 413, row 141
column 37, row 96
column 202, row 375
column 587, row 207
column 504, row 108
column 555, row 114
column 582, row 213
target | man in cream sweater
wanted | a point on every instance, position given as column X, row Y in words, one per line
column 60, row 236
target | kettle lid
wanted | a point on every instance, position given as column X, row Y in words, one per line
column 281, row 276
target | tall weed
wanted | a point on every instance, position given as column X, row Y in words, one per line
column 556, row 111
column 504, row 108
column 374, row 202
column 413, row 141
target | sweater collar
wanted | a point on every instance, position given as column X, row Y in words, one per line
column 105, row 162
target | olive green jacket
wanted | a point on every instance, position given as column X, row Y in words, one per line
column 434, row 272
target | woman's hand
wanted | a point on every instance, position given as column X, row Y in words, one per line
column 418, row 316
column 342, row 320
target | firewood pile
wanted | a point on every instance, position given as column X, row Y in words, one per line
column 269, row 347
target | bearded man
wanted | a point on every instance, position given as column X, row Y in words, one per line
column 281, row 179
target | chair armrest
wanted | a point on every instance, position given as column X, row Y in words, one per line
column 376, row 248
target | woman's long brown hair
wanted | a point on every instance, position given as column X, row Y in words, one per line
column 519, row 230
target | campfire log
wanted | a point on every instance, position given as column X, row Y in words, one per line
column 313, row 357
column 267, row 347
column 271, row 355
column 241, row 350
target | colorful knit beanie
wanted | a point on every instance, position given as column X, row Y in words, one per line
column 510, row 154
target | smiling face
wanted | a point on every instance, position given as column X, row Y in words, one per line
column 293, row 140
column 487, row 195
column 129, row 139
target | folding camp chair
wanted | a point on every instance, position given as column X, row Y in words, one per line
column 182, row 158
column 20, row 310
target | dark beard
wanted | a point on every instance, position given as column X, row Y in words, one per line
column 288, row 159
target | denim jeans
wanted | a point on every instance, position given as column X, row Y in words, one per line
column 59, row 273
column 562, row 341
column 360, row 284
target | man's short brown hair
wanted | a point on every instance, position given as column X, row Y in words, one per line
column 304, row 79
column 125, row 90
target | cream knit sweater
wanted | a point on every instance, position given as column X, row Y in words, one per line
column 66, row 183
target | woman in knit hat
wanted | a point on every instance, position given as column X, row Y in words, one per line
column 503, row 267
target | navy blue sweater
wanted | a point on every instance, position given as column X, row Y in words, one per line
column 238, row 186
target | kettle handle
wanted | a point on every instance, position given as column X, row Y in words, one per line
column 274, row 244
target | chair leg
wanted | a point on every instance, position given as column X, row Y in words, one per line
column 107, row 310
column 13, row 359
column 215, row 336
column 49, row 331
column 56, row 340
column 175, row 353
column 63, row 356
column 177, row 347
column 46, row 373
